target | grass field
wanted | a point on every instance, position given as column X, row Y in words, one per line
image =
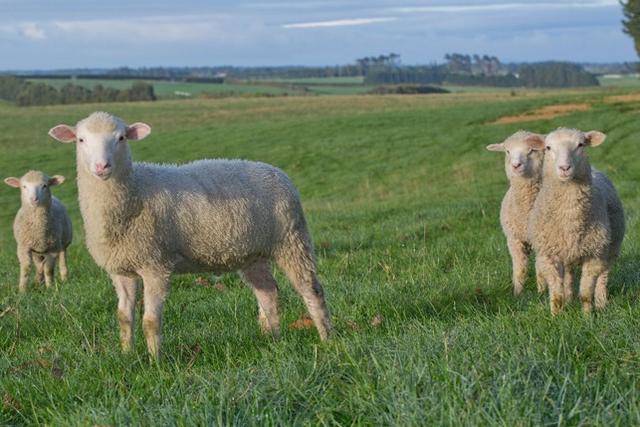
column 168, row 89
column 402, row 200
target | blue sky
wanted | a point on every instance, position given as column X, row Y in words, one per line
column 49, row 34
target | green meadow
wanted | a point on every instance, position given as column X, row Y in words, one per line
column 402, row 200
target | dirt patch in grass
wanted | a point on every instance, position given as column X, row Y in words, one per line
column 631, row 97
column 544, row 113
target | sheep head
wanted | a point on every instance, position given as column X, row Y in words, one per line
column 101, row 141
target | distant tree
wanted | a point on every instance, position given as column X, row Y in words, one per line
column 631, row 23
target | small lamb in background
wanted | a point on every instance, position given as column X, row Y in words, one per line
column 524, row 156
column 42, row 227
column 150, row 221
column 577, row 220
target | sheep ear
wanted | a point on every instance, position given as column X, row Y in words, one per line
column 12, row 182
column 495, row 147
column 138, row 131
column 63, row 133
column 56, row 180
column 535, row 141
column 594, row 138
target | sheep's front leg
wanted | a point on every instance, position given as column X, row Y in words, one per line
column 553, row 273
column 24, row 258
column 601, row 290
column 519, row 259
column 39, row 263
column 126, row 291
column 156, row 287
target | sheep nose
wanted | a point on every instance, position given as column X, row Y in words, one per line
column 565, row 168
column 102, row 166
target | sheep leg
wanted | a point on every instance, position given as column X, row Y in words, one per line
column 39, row 263
column 126, row 291
column 24, row 258
column 568, row 283
column 553, row 272
column 156, row 287
column 49, row 264
column 601, row 290
column 297, row 261
column 541, row 283
column 591, row 270
column 519, row 259
column 265, row 288
column 62, row 256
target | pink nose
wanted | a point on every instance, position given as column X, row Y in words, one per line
column 564, row 168
column 102, row 166
column 34, row 199
column 516, row 165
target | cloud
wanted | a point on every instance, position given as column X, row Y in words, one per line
column 496, row 7
column 340, row 23
column 33, row 32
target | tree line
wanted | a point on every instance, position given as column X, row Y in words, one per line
column 24, row 93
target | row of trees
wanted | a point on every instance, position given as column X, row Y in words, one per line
column 23, row 92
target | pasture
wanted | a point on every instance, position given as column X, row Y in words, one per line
column 402, row 200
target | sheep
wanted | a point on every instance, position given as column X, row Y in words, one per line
column 524, row 156
column 42, row 228
column 577, row 220
column 149, row 221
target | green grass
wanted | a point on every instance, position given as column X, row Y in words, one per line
column 168, row 89
column 622, row 81
column 402, row 200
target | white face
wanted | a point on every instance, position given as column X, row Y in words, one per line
column 523, row 154
column 101, row 142
column 98, row 151
column 519, row 159
column 565, row 149
column 35, row 188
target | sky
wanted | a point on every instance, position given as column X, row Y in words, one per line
column 55, row 34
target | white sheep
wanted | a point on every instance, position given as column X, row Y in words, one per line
column 42, row 227
column 524, row 156
column 577, row 220
column 149, row 221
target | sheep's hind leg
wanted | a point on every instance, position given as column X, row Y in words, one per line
column 601, row 291
column 541, row 283
column 568, row 283
column 591, row 270
column 265, row 288
column 39, row 264
column 519, row 259
column 553, row 273
column 49, row 265
column 156, row 287
column 297, row 261
column 62, row 260
column 126, row 290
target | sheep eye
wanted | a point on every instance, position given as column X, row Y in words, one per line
column 81, row 140
column 121, row 138
column 44, row 186
column 581, row 144
column 548, row 148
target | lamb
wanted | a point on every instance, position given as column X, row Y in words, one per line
column 524, row 156
column 577, row 220
column 42, row 227
column 149, row 221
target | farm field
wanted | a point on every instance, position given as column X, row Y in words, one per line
column 168, row 89
column 402, row 200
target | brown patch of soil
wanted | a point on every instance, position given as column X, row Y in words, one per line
column 544, row 113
